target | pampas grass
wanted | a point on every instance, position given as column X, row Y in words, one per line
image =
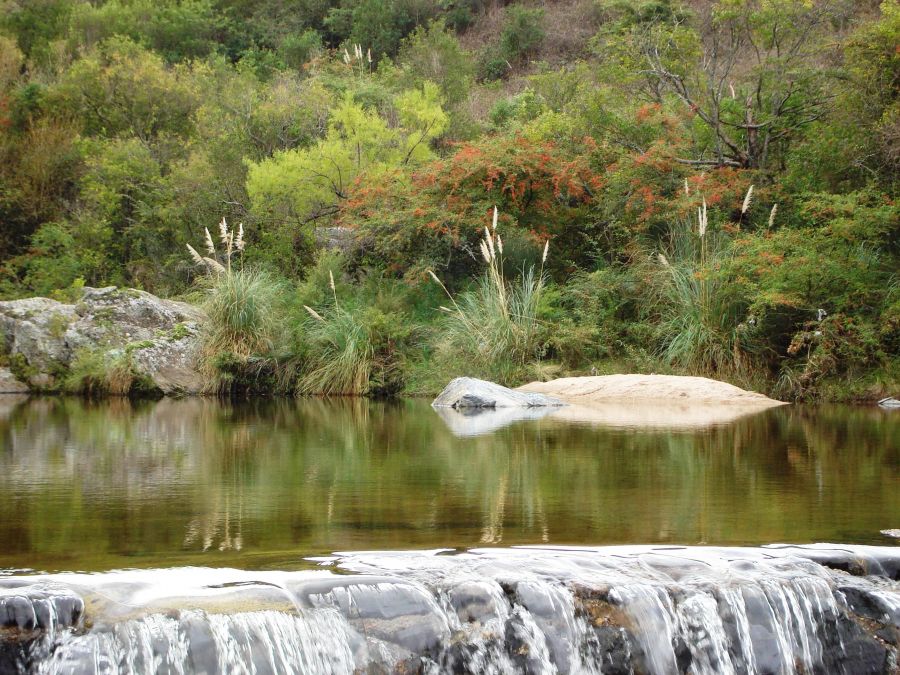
column 747, row 200
column 231, row 245
column 494, row 327
column 242, row 308
column 701, row 319
column 242, row 305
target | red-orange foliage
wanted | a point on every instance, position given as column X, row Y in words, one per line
column 437, row 215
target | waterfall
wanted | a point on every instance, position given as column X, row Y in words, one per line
column 814, row 609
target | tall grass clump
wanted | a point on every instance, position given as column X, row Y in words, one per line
column 94, row 372
column 703, row 326
column 494, row 328
column 353, row 349
column 243, row 305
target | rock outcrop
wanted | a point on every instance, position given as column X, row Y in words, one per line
column 9, row 384
column 41, row 339
column 468, row 392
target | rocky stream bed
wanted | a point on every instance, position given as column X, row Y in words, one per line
column 780, row 609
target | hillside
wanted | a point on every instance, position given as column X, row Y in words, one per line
column 373, row 196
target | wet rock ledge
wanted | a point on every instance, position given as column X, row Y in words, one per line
column 826, row 609
column 153, row 340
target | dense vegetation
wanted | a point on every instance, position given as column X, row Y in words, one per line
column 706, row 187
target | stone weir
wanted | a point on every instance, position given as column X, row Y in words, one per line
column 779, row 609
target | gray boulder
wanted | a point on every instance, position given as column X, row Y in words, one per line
column 468, row 392
column 35, row 329
column 10, row 384
column 42, row 338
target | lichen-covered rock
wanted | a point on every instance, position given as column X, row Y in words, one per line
column 170, row 361
column 32, row 333
column 468, row 392
column 117, row 317
column 157, row 338
column 10, row 384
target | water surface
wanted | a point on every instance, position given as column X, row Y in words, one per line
column 262, row 485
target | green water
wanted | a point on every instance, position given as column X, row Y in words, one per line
column 262, row 485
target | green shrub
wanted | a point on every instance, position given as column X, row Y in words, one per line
column 594, row 317
column 520, row 108
column 521, row 36
column 522, row 33
column 434, row 53
column 838, row 348
column 296, row 50
column 459, row 16
column 492, row 65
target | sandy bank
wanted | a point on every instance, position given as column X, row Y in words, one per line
column 660, row 388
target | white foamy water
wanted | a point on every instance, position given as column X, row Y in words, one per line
column 495, row 611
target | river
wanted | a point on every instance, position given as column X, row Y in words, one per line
column 202, row 494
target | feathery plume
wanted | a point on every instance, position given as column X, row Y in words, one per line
column 223, row 233
column 703, row 218
column 358, row 52
column 485, row 253
column 772, row 215
column 663, row 260
column 331, row 280
column 210, row 246
column 214, row 265
column 239, row 242
column 346, row 56
column 313, row 313
column 434, row 276
column 369, row 54
column 490, row 242
column 196, row 257
column 546, row 250
column 499, row 244
column 687, row 189
column 747, row 200
column 445, row 309
column 496, row 215
column 731, row 86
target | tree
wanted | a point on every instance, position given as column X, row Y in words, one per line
column 436, row 217
column 434, row 54
column 121, row 88
column 304, row 185
column 752, row 73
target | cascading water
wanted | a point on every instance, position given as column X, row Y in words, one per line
column 813, row 609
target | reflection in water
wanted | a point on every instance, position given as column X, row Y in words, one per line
column 643, row 415
column 262, row 484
